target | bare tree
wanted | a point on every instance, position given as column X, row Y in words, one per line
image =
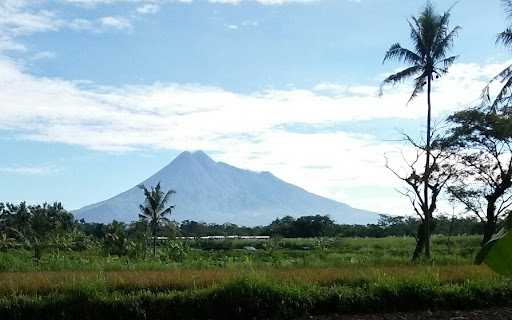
column 416, row 178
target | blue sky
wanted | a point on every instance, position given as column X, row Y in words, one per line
column 96, row 95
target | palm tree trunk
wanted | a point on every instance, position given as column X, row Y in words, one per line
column 154, row 242
column 427, row 213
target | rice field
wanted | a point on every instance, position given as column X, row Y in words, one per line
column 293, row 278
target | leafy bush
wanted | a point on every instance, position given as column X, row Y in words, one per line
column 175, row 251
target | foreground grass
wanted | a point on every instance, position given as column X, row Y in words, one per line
column 257, row 299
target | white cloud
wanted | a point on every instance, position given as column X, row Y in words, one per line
column 22, row 18
column 263, row 2
column 246, row 130
column 81, row 24
column 119, row 23
column 43, row 55
column 28, row 170
column 149, row 8
column 250, row 23
column 92, row 3
column 18, row 18
column 101, row 25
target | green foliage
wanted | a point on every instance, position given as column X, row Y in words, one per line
column 254, row 298
column 481, row 142
column 278, row 252
column 115, row 242
column 303, row 227
column 431, row 39
column 37, row 227
column 154, row 211
column 175, row 251
column 497, row 254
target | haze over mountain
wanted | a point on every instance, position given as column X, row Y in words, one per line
column 217, row 192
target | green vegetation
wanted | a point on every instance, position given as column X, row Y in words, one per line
column 282, row 278
column 258, row 297
column 102, row 271
column 154, row 211
column 277, row 252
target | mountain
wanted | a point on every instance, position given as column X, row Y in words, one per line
column 216, row 192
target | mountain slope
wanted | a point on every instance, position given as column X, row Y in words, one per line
column 217, row 192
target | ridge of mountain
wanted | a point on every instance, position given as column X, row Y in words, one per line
column 216, row 192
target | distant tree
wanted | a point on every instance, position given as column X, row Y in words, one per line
column 36, row 225
column 283, row 227
column 190, row 228
column 314, row 226
column 116, row 242
column 398, row 226
column 154, row 210
column 138, row 232
column 482, row 143
column 96, row 230
column 431, row 39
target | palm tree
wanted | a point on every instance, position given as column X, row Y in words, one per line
column 431, row 39
column 154, row 210
column 505, row 76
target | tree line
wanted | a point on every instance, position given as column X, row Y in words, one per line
column 50, row 226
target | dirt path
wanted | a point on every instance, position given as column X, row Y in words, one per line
column 490, row 314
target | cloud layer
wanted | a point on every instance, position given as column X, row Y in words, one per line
column 247, row 130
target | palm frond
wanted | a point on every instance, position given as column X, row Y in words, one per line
column 505, row 37
column 401, row 75
column 504, row 94
column 447, row 62
column 397, row 52
column 415, row 35
column 503, row 76
column 164, row 200
column 507, row 4
column 442, row 27
column 419, row 84
column 445, row 43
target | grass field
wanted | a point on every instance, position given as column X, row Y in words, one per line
column 287, row 279
column 335, row 252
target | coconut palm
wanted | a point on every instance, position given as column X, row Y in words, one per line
column 505, row 76
column 154, row 210
column 431, row 40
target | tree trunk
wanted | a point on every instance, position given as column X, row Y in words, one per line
column 420, row 242
column 154, row 242
column 491, row 223
column 426, row 211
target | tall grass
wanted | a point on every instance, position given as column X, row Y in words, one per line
column 256, row 299
column 335, row 252
column 41, row 283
